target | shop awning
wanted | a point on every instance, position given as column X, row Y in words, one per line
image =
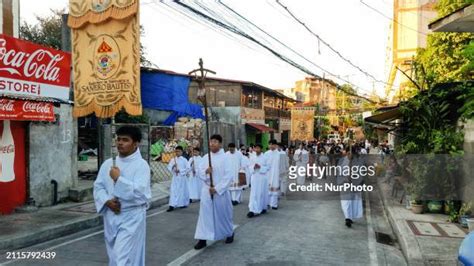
column 260, row 127
column 384, row 118
column 461, row 20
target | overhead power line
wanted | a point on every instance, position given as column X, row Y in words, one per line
column 281, row 43
column 329, row 45
column 275, row 53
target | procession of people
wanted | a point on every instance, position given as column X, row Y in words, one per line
column 216, row 180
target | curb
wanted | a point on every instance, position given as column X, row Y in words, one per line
column 408, row 244
column 63, row 230
column 49, row 233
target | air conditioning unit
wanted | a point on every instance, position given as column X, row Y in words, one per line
column 221, row 103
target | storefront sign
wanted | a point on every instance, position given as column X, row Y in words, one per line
column 28, row 69
column 26, row 110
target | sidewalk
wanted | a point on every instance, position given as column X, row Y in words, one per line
column 425, row 239
column 20, row 230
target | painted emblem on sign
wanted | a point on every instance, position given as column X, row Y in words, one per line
column 107, row 59
column 100, row 5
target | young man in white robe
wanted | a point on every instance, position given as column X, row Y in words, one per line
column 245, row 165
column 215, row 220
column 235, row 166
column 301, row 158
column 351, row 202
column 252, row 152
column 179, row 193
column 258, row 201
column 284, row 169
column 194, row 182
column 273, row 161
column 122, row 195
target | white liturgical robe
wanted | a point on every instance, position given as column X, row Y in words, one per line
column 273, row 161
column 124, row 232
column 235, row 165
column 179, row 193
column 194, row 182
column 301, row 158
column 351, row 201
column 215, row 215
column 259, row 191
column 284, row 171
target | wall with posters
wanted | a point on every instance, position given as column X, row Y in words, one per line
column 53, row 156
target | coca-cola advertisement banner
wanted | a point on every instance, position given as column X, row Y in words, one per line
column 26, row 110
column 29, row 69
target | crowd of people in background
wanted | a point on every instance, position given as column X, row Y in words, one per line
column 265, row 173
column 216, row 180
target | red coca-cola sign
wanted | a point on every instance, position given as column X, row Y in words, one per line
column 36, row 107
column 33, row 70
column 26, row 110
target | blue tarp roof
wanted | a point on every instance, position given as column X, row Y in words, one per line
column 168, row 92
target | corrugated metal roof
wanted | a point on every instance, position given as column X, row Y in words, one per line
column 36, row 99
column 242, row 82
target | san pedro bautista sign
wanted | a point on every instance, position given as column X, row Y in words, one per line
column 28, row 69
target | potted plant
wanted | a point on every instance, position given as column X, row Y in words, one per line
column 452, row 206
column 464, row 214
column 435, row 206
column 417, row 206
column 417, row 184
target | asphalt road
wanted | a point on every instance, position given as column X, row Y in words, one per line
column 307, row 229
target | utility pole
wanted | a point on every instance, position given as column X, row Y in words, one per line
column 319, row 106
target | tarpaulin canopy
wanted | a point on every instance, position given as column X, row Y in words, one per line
column 260, row 128
column 168, row 92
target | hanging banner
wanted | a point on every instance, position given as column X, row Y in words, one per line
column 106, row 56
column 302, row 123
column 28, row 69
column 26, row 110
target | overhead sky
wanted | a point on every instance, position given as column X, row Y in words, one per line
column 176, row 42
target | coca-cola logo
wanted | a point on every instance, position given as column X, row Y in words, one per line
column 40, row 64
column 33, row 107
column 6, row 105
column 7, row 149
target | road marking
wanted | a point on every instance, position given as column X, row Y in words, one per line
column 371, row 234
column 191, row 253
column 79, row 239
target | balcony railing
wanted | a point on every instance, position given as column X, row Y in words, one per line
column 285, row 114
column 276, row 113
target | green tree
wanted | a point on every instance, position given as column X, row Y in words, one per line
column 343, row 99
column 445, row 7
column 447, row 56
column 325, row 126
column 46, row 32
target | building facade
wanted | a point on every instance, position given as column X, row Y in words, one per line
column 409, row 30
column 260, row 113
